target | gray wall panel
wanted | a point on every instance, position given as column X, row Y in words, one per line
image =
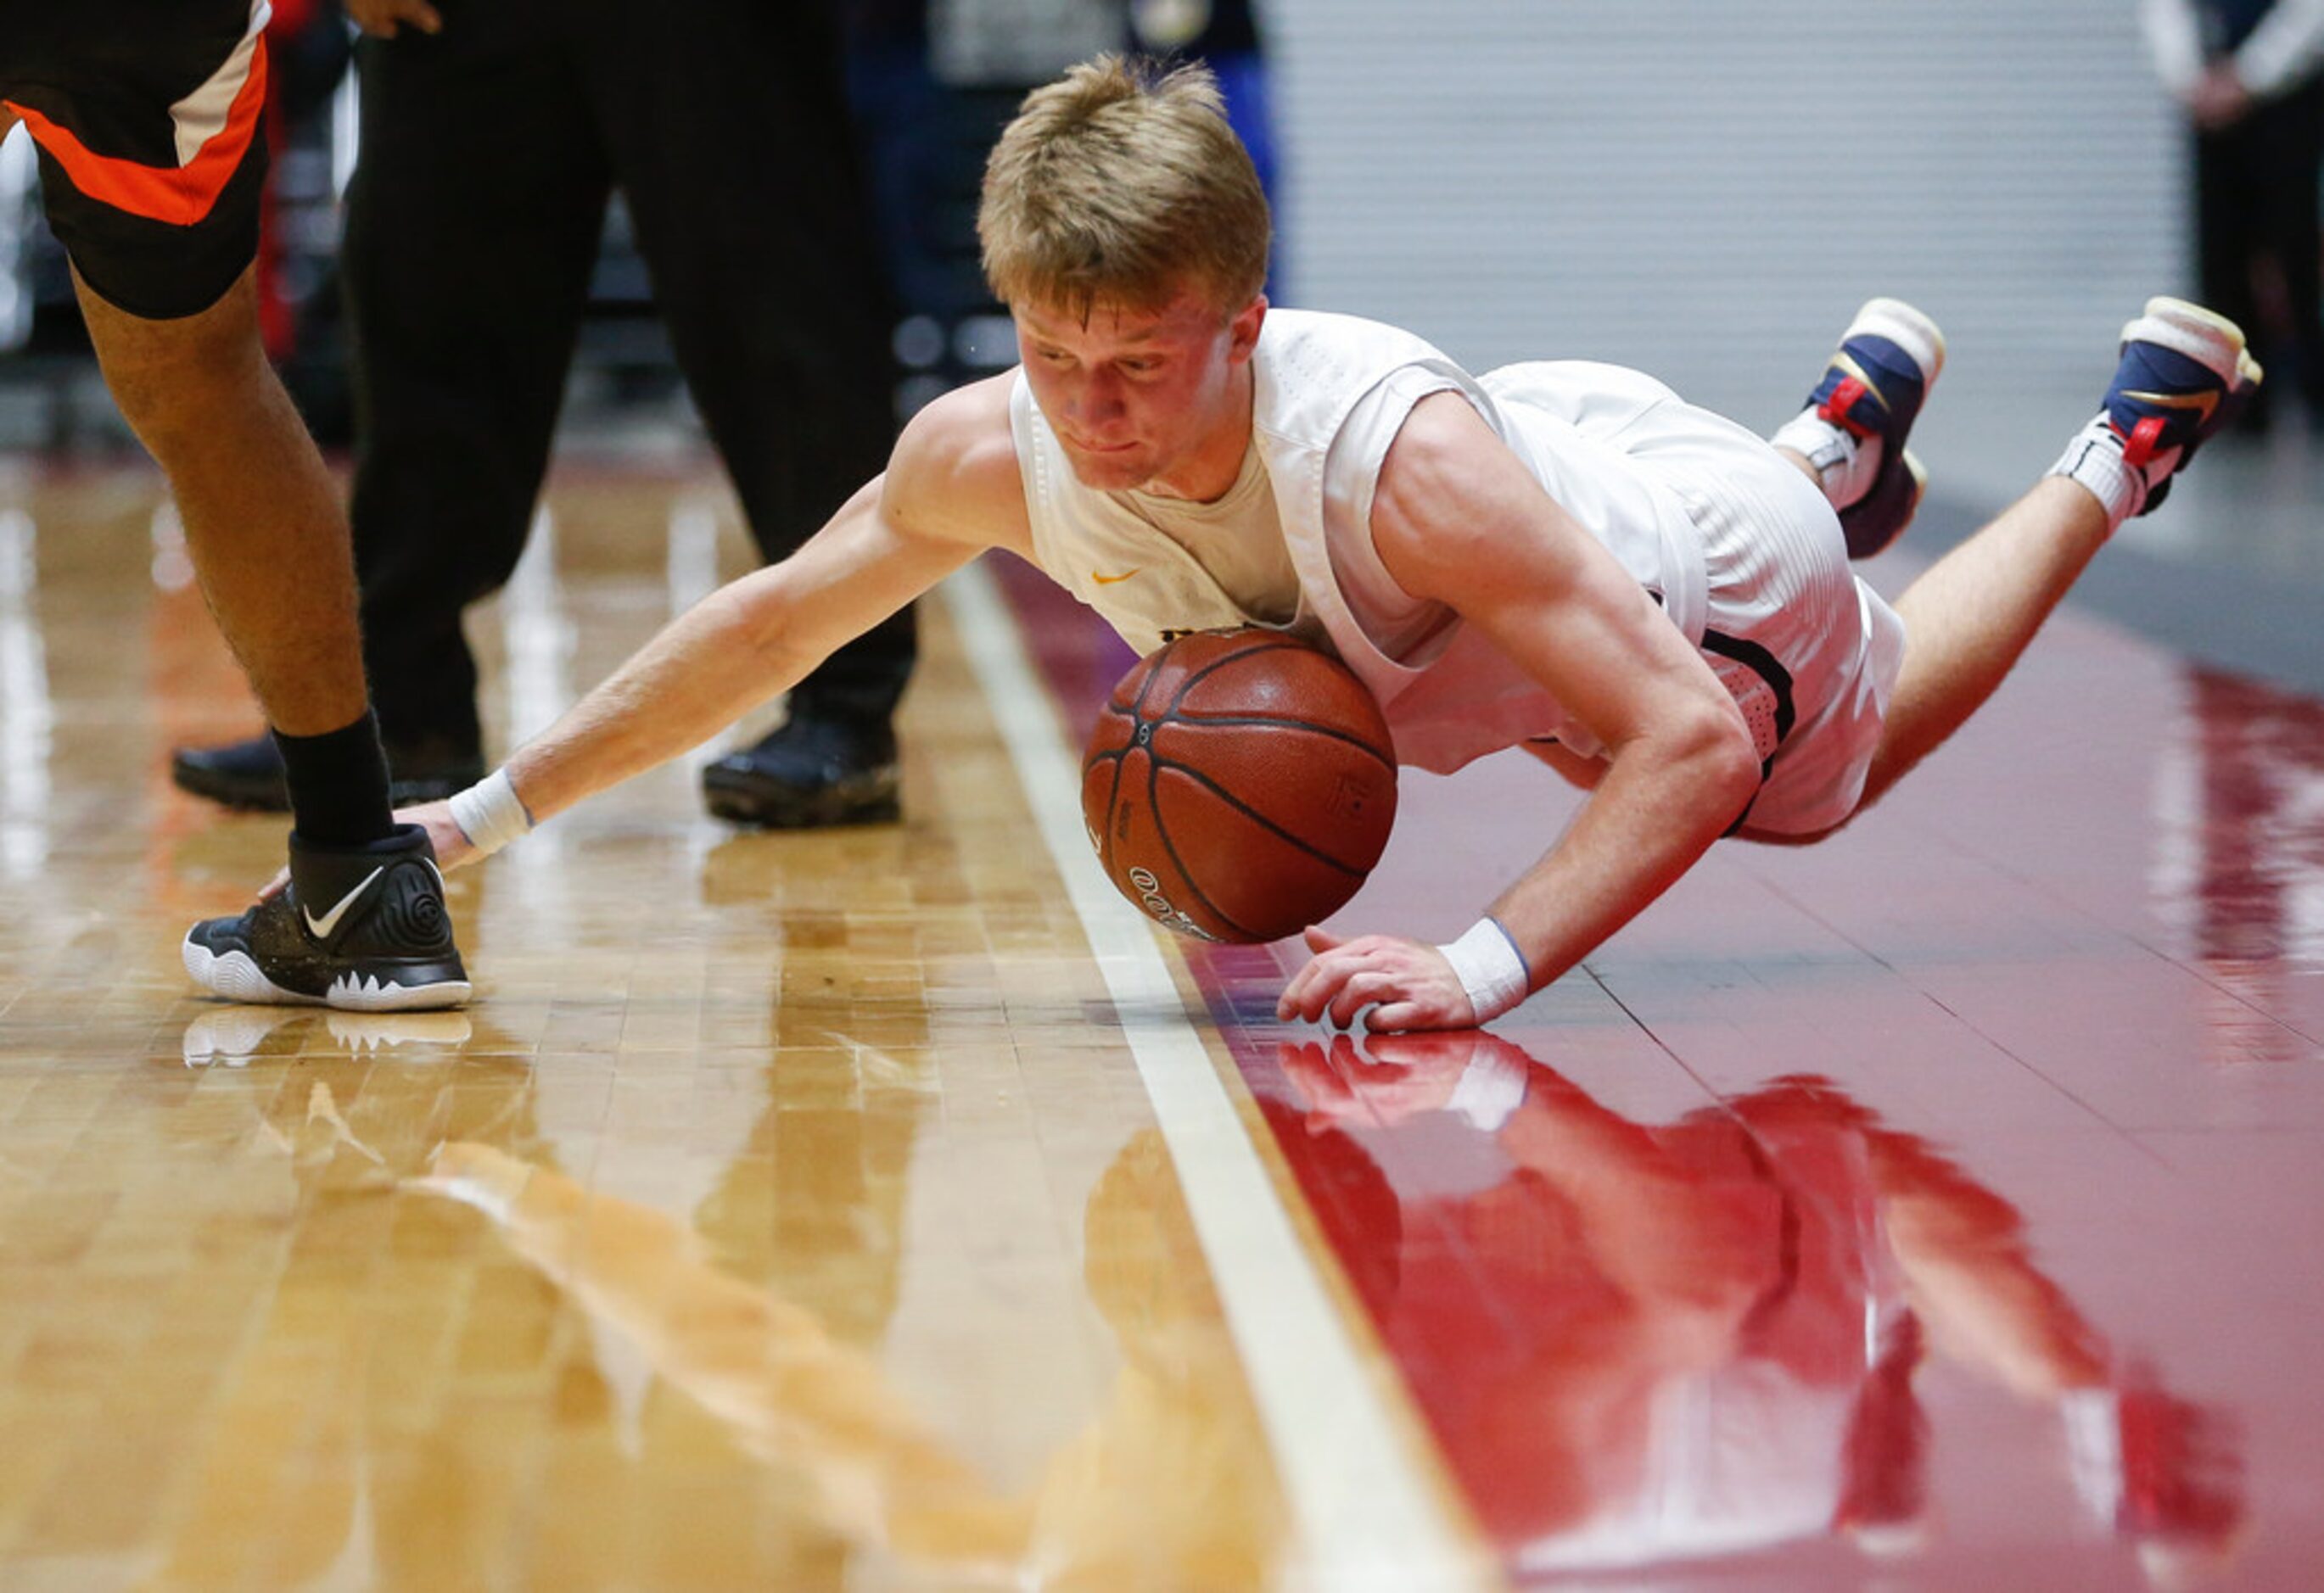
column 1706, row 190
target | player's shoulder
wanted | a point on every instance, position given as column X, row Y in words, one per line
column 1449, row 488
column 953, row 472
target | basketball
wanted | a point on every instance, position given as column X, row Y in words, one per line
column 1240, row 785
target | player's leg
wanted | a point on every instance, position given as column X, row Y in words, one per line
column 2182, row 373
column 1850, row 438
column 152, row 163
column 363, row 923
column 729, row 137
column 463, row 282
column 261, row 515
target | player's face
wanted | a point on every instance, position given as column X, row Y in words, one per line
column 1156, row 399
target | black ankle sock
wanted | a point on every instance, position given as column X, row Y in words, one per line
column 338, row 784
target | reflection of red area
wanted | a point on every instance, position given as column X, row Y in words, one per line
column 1656, row 1342
column 2262, row 818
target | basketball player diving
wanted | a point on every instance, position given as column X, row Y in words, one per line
column 1562, row 557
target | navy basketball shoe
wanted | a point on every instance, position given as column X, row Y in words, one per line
column 2184, row 376
column 361, row 928
column 1873, row 389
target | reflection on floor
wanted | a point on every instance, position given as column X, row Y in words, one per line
column 1935, row 1207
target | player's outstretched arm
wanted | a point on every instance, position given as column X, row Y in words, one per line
column 1458, row 518
column 950, row 491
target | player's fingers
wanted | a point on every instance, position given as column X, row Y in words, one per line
column 1295, row 989
column 424, row 16
column 1321, row 940
column 1397, row 1017
column 1358, row 993
column 1329, row 979
column 1322, row 990
column 1314, row 985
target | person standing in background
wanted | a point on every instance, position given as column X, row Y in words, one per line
column 493, row 138
column 2250, row 75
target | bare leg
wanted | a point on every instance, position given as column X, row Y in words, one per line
column 1972, row 616
column 263, row 516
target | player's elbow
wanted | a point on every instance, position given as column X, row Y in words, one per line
column 761, row 612
column 1723, row 763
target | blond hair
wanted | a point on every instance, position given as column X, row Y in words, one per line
column 1120, row 184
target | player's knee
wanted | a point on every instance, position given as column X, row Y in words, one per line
column 179, row 377
column 151, row 361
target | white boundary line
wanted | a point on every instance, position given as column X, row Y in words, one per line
column 1367, row 1519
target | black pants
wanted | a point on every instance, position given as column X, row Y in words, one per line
column 488, row 155
column 2256, row 199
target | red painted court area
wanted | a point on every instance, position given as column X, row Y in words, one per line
column 1945, row 1197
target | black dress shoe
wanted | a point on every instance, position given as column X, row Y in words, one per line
column 811, row 773
column 249, row 774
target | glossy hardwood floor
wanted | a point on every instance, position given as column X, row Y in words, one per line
column 893, row 1209
column 783, row 1214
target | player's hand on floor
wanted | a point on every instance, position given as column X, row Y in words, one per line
column 383, row 18
column 453, row 847
column 1407, row 984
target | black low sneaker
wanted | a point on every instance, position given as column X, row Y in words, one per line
column 249, row 773
column 814, row 771
column 360, row 928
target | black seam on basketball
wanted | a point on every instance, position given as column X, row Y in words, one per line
column 1154, row 807
column 1304, row 726
column 1138, row 705
column 1261, row 819
column 1215, row 665
column 1112, row 799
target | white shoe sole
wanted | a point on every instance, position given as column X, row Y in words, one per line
column 236, row 978
column 2203, row 335
column 1906, row 326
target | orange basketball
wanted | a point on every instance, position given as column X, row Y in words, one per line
column 1240, row 785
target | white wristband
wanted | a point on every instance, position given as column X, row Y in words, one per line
column 1489, row 967
column 490, row 814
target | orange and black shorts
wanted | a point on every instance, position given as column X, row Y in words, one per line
column 146, row 113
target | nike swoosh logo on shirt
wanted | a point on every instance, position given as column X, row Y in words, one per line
column 320, row 928
column 1113, row 580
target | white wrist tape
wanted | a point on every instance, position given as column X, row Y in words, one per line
column 1489, row 967
column 490, row 814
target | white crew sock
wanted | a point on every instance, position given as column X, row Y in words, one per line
column 2095, row 459
column 1846, row 464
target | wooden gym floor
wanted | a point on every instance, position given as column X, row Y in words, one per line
column 1938, row 1207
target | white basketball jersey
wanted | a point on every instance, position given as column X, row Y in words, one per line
column 1455, row 697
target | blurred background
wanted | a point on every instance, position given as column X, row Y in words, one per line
column 1703, row 193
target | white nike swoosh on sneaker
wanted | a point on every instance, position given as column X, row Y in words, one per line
column 320, row 928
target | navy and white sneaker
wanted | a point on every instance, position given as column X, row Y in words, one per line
column 2184, row 376
column 359, row 928
column 1854, row 428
